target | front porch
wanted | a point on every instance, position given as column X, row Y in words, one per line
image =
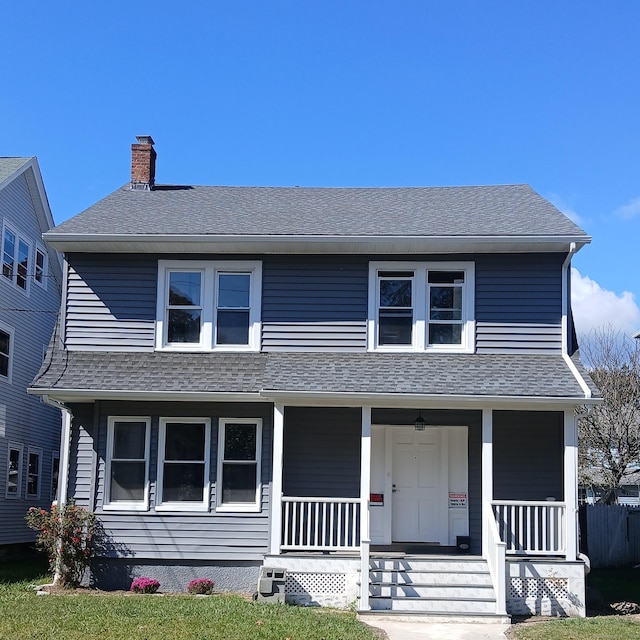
column 436, row 522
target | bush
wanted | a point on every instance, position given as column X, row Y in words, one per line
column 66, row 535
column 145, row 585
column 202, row 586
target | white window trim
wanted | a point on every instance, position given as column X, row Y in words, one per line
column 420, row 306
column 7, row 329
column 18, row 494
column 209, row 270
column 55, row 455
column 30, row 265
column 38, row 452
column 240, row 507
column 45, row 265
column 184, row 506
column 126, row 505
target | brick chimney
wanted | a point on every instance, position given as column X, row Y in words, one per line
column 143, row 164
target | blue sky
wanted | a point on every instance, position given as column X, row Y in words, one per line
column 335, row 93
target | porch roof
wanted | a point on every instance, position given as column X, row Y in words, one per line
column 261, row 374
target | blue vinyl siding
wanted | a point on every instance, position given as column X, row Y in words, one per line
column 175, row 535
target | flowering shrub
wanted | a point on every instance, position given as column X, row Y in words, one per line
column 202, row 586
column 145, row 585
column 66, row 536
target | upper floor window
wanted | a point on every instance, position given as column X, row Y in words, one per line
column 209, row 305
column 16, row 258
column 34, row 471
column 421, row 306
column 127, row 467
column 40, row 272
column 6, row 351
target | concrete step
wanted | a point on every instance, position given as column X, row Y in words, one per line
column 442, row 564
column 433, row 617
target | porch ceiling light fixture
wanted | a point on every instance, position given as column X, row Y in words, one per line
column 420, row 424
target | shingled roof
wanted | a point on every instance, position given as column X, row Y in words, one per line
column 506, row 210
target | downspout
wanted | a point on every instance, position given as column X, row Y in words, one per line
column 65, row 457
column 565, row 323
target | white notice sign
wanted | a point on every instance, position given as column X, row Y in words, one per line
column 457, row 501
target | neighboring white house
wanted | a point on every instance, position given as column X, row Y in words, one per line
column 30, row 285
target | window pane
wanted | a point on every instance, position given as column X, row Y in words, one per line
column 238, row 483
column 395, row 293
column 183, row 482
column 55, row 473
column 4, row 366
column 184, row 288
column 32, row 474
column 240, row 442
column 446, row 277
column 127, row 481
column 395, row 328
column 445, row 334
column 233, row 290
column 8, row 253
column 5, row 339
column 446, row 303
column 39, row 266
column 13, row 477
column 184, row 441
column 233, row 327
column 23, row 264
column 129, row 440
column 184, row 326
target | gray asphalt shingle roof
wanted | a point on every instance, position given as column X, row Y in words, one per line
column 358, row 373
column 504, row 210
column 8, row 166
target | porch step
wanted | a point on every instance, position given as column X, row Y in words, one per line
column 439, row 586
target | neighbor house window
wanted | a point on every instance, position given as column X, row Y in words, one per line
column 208, row 305
column 14, row 471
column 421, row 306
column 239, row 447
column 183, row 464
column 55, row 474
column 15, row 258
column 6, row 351
column 40, row 274
column 34, row 471
column 127, row 468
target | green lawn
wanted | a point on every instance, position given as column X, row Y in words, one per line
column 610, row 627
column 26, row 616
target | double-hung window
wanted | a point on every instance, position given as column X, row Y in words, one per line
column 183, row 464
column 127, row 464
column 6, row 351
column 40, row 272
column 208, row 306
column 239, row 449
column 14, row 471
column 427, row 306
column 16, row 258
column 55, row 474
column 34, row 471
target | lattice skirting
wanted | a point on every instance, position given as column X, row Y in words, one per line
column 324, row 589
column 538, row 588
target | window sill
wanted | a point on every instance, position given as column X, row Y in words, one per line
column 181, row 508
column 125, row 507
column 231, row 508
column 199, row 349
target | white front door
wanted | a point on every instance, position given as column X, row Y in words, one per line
column 419, row 485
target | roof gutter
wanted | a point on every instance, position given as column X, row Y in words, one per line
column 565, row 324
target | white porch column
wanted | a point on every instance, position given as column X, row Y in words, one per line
column 487, row 474
column 365, row 491
column 571, row 482
column 276, row 482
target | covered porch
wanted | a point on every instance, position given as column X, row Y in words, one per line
column 356, row 486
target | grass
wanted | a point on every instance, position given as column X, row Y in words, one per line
column 25, row 616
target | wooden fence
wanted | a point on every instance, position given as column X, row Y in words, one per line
column 612, row 536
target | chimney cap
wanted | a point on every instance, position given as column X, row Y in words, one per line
column 145, row 140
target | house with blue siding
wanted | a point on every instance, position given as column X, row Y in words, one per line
column 374, row 389
column 30, row 288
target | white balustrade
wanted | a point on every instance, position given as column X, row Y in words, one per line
column 531, row 528
column 320, row 524
column 495, row 549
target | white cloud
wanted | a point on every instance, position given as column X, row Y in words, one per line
column 594, row 306
column 568, row 211
column 629, row 210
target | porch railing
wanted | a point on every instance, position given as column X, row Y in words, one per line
column 320, row 524
column 531, row 528
column 495, row 554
